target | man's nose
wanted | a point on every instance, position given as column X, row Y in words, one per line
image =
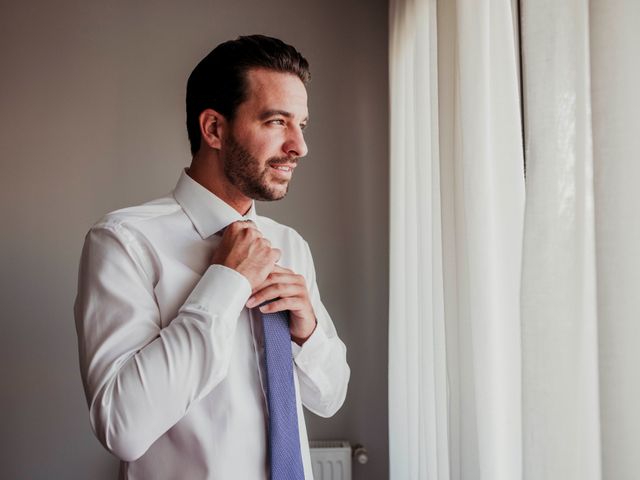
column 295, row 146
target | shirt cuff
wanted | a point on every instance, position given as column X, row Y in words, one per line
column 220, row 292
column 307, row 353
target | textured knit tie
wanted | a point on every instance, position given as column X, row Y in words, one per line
column 284, row 440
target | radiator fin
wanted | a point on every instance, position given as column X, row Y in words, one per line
column 330, row 459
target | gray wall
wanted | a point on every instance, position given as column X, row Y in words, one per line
column 92, row 120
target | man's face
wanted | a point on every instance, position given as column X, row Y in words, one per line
column 265, row 138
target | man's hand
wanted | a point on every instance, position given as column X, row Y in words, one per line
column 244, row 249
column 291, row 292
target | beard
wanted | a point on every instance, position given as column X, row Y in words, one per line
column 244, row 171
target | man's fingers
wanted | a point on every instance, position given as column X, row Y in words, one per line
column 239, row 225
column 282, row 304
column 286, row 277
column 236, row 227
column 282, row 290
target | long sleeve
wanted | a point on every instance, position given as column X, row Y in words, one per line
column 321, row 362
column 140, row 379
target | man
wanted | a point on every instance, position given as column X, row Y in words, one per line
column 171, row 335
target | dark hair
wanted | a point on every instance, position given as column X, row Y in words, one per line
column 219, row 80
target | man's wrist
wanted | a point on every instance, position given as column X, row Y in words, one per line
column 301, row 340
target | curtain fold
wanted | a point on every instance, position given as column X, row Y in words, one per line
column 581, row 267
column 559, row 318
column 457, row 194
column 419, row 431
column 514, row 353
column 615, row 97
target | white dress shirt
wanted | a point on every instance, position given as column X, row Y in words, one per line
column 171, row 359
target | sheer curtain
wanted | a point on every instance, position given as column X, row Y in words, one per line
column 581, row 268
column 514, row 333
column 457, row 195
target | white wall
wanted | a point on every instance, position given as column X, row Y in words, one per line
column 92, row 120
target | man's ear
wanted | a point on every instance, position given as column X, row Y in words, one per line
column 212, row 127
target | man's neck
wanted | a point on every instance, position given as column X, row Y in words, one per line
column 208, row 172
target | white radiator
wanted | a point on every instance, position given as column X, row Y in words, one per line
column 330, row 460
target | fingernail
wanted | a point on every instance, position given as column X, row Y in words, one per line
column 250, row 302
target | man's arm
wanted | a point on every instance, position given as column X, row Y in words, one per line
column 140, row 379
column 319, row 355
column 321, row 362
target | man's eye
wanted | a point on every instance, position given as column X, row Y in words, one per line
column 277, row 121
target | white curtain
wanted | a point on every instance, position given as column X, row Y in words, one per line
column 457, row 200
column 581, row 268
column 471, row 396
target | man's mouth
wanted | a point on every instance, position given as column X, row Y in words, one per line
column 283, row 169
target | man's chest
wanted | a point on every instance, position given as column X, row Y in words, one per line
column 181, row 263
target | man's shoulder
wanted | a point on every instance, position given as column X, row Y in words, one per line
column 139, row 216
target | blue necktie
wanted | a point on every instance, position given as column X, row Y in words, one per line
column 284, row 440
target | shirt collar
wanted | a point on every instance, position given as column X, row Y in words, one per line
column 208, row 212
